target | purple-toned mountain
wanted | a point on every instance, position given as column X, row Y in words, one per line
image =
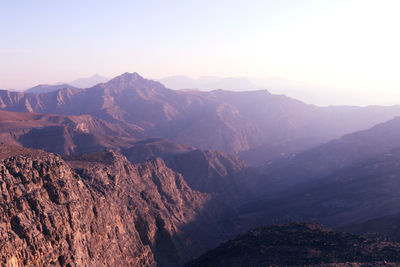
column 222, row 120
column 338, row 154
column 353, row 180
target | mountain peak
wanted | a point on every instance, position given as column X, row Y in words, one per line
column 128, row 76
column 132, row 80
column 126, row 79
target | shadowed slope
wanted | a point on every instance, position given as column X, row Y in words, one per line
column 299, row 244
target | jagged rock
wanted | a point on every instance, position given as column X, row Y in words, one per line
column 97, row 209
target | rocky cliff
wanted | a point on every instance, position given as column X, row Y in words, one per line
column 99, row 209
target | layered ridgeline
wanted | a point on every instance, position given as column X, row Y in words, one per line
column 353, row 180
column 207, row 171
column 300, row 245
column 337, row 154
column 229, row 121
column 99, row 209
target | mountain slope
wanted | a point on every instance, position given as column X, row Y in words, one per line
column 386, row 226
column 350, row 181
column 355, row 194
column 300, row 245
column 353, row 180
column 338, row 154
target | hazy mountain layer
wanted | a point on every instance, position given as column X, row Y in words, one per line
column 338, row 154
column 352, row 180
column 222, row 120
column 46, row 88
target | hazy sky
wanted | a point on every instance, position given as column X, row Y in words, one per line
column 338, row 44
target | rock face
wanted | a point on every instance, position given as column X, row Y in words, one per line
column 99, row 209
column 208, row 171
column 300, row 244
column 228, row 121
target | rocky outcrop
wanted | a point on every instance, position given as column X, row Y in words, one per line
column 99, row 209
column 300, row 245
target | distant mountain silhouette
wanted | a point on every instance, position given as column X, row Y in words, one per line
column 78, row 83
column 209, row 83
column 89, row 81
column 46, row 88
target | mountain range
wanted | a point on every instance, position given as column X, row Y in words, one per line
column 78, row 83
column 349, row 183
column 228, row 121
column 150, row 176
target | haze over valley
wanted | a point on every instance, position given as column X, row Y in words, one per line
column 257, row 133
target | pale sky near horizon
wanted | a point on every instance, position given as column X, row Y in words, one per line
column 344, row 44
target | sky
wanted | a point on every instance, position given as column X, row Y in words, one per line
column 344, row 45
